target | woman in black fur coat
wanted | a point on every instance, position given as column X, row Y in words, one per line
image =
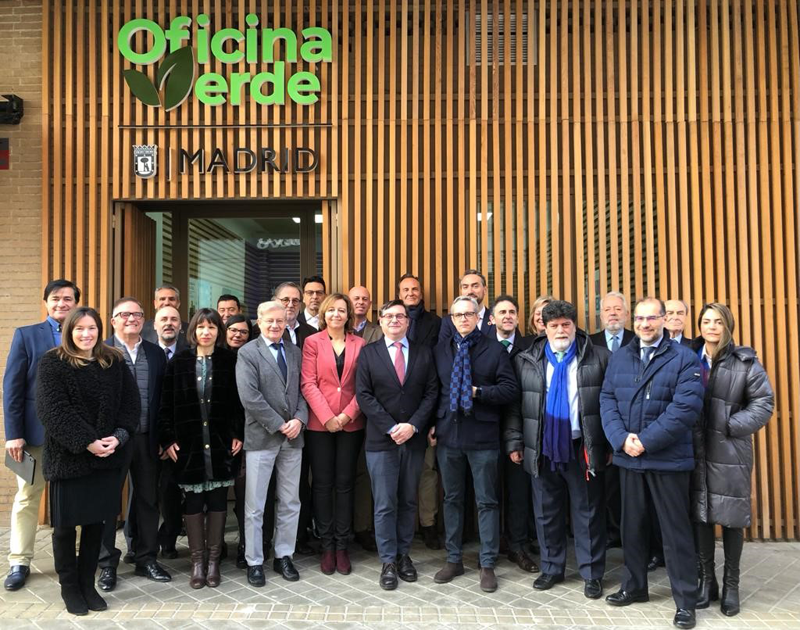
column 88, row 403
column 201, row 429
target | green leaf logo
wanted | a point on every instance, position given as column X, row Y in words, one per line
column 174, row 78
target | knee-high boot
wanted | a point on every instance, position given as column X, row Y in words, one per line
column 707, row 588
column 66, row 566
column 91, row 540
column 196, row 533
column 732, row 541
column 216, row 537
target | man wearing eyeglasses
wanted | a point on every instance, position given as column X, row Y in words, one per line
column 314, row 291
column 396, row 389
column 291, row 296
column 471, row 284
column 652, row 396
column 476, row 382
column 147, row 364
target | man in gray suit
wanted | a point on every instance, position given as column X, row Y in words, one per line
column 268, row 378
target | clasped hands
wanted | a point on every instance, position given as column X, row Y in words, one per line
column 292, row 428
column 104, row 446
column 337, row 423
column 633, row 446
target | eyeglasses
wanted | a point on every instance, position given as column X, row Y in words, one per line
column 651, row 319
column 468, row 315
column 238, row 332
column 286, row 300
column 310, row 292
column 400, row 317
column 127, row 314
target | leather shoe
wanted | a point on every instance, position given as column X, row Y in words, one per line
column 523, row 561
column 328, row 562
column 285, row 567
column 450, row 571
column 684, row 618
column 367, row 540
column 488, row 580
column 655, row 563
column 343, row 565
column 406, row 569
column 16, row 577
column 431, row 537
column 255, row 576
column 241, row 561
column 169, row 553
column 108, row 579
column 624, row 598
column 546, row 581
column 153, row 571
column 593, row 589
column 388, row 579
column 129, row 558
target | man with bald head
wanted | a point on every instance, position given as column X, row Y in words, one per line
column 362, row 303
column 167, row 324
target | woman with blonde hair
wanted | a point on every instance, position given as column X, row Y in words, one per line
column 738, row 402
column 535, row 322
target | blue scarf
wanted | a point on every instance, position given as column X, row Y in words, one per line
column 461, row 377
column 557, row 442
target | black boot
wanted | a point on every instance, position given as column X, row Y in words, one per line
column 707, row 588
column 66, row 566
column 91, row 539
column 732, row 541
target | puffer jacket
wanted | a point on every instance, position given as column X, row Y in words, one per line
column 659, row 403
column 523, row 425
column 738, row 402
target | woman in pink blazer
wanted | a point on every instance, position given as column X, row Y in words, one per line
column 335, row 431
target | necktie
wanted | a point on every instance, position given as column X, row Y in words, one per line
column 281, row 360
column 614, row 343
column 168, row 353
column 560, row 356
column 58, row 328
column 648, row 354
column 506, row 344
column 399, row 362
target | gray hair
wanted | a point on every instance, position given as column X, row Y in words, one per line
column 619, row 295
column 685, row 305
column 287, row 285
column 465, row 298
column 171, row 287
column 272, row 305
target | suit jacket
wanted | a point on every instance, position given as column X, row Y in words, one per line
column 599, row 338
column 268, row 400
column 303, row 332
column 371, row 332
column 686, row 341
column 149, row 332
column 448, row 329
column 426, row 329
column 156, row 367
column 19, row 382
column 385, row 402
column 326, row 394
column 520, row 343
column 493, row 373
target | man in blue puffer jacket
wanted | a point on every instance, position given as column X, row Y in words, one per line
column 652, row 396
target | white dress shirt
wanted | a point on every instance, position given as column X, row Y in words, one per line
column 501, row 339
column 311, row 320
column 132, row 352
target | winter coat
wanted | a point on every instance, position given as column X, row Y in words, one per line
column 659, row 403
column 78, row 405
column 181, row 419
column 738, row 402
column 524, row 422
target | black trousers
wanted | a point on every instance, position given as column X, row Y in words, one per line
column 516, row 504
column 613, row 497
column 669, row 494
column 170, row 500
column 215, row 500
column 306, row 501
column 143, row 469
column 333, row 468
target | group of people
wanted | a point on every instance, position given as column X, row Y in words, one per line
column 606, row 436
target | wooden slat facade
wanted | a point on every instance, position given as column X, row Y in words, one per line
column 650, row 147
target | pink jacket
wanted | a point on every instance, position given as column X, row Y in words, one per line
column 325, row 394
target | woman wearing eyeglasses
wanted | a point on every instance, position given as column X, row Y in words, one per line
column 738, row 402
column 335, row 429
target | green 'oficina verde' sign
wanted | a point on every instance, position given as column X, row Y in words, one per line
column 175, row 76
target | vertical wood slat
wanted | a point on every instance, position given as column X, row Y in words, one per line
column 680, row 132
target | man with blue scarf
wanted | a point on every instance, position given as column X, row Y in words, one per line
column 476, row 382
column 556, row 433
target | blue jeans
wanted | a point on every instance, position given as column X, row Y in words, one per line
column 453, row 467
column 394, row 475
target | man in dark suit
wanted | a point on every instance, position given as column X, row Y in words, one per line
column 476, row 382
column 23, row 430
column 396, row 389
column 147, row 363
column 165, row 295
column 675, row 321
column 614, row 315
column 423, row 329
column 291, row 296
column 516, row 484
column 314, row 291
column 471, row 284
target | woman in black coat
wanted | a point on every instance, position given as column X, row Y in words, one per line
column 738, row 402
column 200, row 429
column 88, row 403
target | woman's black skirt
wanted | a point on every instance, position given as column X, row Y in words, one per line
column 85, row 500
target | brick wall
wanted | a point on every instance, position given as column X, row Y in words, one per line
column 20, row 189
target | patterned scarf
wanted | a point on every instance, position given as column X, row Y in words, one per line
column 461, row 377
column 557, row 442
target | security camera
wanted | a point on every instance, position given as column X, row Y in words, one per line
column 11, row 110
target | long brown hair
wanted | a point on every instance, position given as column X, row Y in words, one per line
column 105, row 355
column 328, row 302
column 728, row 326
